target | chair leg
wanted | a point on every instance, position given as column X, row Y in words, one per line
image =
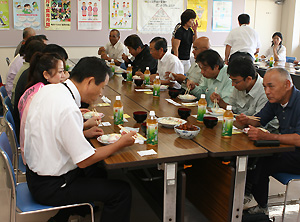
column 285, row 199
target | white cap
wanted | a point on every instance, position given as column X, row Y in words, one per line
column 229, row 107
column 147, row 68
column 129, row 65
column 157, row 77
column 202, row 96
column 152, row 113
column 112, row 60
column 118, row 97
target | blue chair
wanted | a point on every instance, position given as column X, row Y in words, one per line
column 290, row 59
column 3, row 92
column 20, row 199
column 7, row 104
column 286, row 179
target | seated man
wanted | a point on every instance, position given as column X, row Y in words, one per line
column 215, row 77
column 167, row 62
column 114, row 49
column 284, row 103
column 142, row 56
column 61, row 163
column 27, row 32
column 194, row 73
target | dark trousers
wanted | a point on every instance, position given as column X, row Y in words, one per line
column 83, row 185
column 259, row 177
column 240, row 54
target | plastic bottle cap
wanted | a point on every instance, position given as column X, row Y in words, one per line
column 118, row 97
column 147, row 68
column 112, row 60
column 202, row 96
column 157, row 77
column 152, row 113
column 229, row 107
column 129, row 65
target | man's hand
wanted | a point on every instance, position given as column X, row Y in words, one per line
column 257, row 134
column 215, row 96
column 191, row 85
column 242, row 119
column 152, row 77
column 179, row 77
column 91, row 122
column 95, row 131
column 125, row 57
column 126, row 139
column 104, row 56
column 101, row 50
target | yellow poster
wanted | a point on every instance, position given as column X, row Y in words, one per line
column 200, row 7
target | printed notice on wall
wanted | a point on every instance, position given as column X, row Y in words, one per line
column 4, row 15
column 27, row 13
column 57, row 15
column 200, row 7
column 89, row 14
column 158, row 16
column 120, row 14
column 222, row 16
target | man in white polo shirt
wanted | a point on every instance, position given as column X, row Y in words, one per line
column 61, row 164
column 242, row 41
column 114, row 49
column 167, row 62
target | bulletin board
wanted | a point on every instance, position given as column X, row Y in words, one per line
column 74, row 37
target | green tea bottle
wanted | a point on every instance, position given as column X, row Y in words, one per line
column 227, row 122
column 147, row 76
column 129, row 73
column 202, row 104
column 118, row 111
column 152, row 130
column 156, row 87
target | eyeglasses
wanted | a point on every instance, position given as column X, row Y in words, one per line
column 237, row 82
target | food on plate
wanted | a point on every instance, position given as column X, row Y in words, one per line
column 109, row 138
column 90, row 114
column 170, row 121
column 187, row 126
column 136, row 77
column 218, row 110
column 187, row 97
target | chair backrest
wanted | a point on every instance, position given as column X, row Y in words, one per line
column 290, row 59
column 7, row 104
column 3, row 91
column 296, row 81
column 7, row 61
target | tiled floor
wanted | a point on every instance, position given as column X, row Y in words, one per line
column 142, row 212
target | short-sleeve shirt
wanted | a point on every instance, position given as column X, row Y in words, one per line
column 186, row 40
column 115, row 51
column 281, row 53
column 207, row 87
column 169, row 63
column 193, row 74
column 54, row 142
column 243, row 39
column 288, row 117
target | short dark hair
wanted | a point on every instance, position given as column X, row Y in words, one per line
column 39, row 63
column 33, row 47
column 133, row 41
column 211, row 58
column 116, row 30
column 187, row 15
column 31, row 38
column 90, row 67
column 244, row 19
column 43, row 37
column 242, row 66
column 160, row 43
column 279, row 35
column 53, row 48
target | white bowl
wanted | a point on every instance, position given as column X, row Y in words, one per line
column 187, row 98
column 187, row 134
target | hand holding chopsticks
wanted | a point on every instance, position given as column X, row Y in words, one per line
column 187, row 91
column 95, row 113
column 127, row 131
column 256, row 118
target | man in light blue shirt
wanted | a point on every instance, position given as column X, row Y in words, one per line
column 215, row 77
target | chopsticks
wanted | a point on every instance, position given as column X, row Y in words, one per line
column 257, row 118
column 127, row 131
column 95, row 113
column 215, row 101
column 187, row 91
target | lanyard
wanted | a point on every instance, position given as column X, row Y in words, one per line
column 69, row 89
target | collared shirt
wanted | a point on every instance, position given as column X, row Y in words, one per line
column 243, row 39
column 13, row 69
column 249, row 103
column 288, row 117
column 207, row 87
column 281, row 53
column 169, row 63
column 115, row 51
column 54, row 141
column 194, row 74
column 22, row 69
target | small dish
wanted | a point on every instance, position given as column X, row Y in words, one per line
column 90, row 114
column 170, row 122
column 187, row 98
column 109, row 138
column 187, row 131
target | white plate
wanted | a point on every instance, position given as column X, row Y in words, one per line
column 110, row 139
column 170, row 122
column 90, row 114
column 162, row 87
column 187, row 98
column 216, row 113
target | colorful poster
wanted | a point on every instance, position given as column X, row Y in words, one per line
column 57, row 15
column 200, row 7
column 4, row 15
column 222, row 16
column 27, row 13
column 158, row 16
column 89, row 16
column 120, row 14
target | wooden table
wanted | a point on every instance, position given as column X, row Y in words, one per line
column 170, row 150
column 238, row 147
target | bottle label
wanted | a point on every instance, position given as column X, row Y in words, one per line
column 129, row 76
column 147, row 79
column 112, row 68
column 152, row 134
column 156, row 90
column 118, row 115
column 201, row 112
column 227, row 126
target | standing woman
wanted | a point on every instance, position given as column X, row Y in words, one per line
column 277, row 50
column 184, row 37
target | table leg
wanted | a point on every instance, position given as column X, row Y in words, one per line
column 170, row 187
column 239, row 188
